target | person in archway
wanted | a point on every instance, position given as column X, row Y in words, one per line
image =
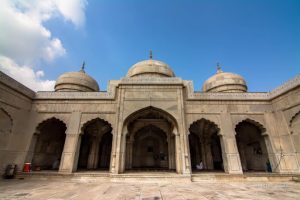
column 200, row 166
column 55, row 164
column 268, row 166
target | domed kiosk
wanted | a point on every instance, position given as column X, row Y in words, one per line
column 225, row 82
column 76, row 82
column 150, row 67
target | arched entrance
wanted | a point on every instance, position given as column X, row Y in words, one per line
column 48, row 142
column 251, row 146
column 95, row 147
column 295, row 133
column 205, row 147
column 150, row 141
column 5, row 122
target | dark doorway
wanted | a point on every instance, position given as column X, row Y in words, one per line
column 251, row 146
column 95, row 147
column 150, row 141
column 150, row 149
column 205, row 146
column 48, row 145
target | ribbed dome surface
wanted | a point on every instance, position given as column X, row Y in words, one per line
column 150, row 68
column 76, row 81
column 225, row 82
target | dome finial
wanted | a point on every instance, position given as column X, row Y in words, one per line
column 82, row 67
column 150, row 54
column 219, row 70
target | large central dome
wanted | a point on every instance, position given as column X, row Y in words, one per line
column 150, row 68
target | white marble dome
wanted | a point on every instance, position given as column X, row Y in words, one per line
column 225, row 82
column 150, row 68
column 76, row 82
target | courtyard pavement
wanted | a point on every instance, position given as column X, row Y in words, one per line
column 58, row 190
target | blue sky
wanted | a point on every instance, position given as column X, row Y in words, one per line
column 258, row 39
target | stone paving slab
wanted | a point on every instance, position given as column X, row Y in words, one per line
column 61, row 190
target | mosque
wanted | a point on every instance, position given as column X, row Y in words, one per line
column 151, row 121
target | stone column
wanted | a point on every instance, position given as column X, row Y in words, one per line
column 172, row 152
column 208, row 156
column 178, row 154
column 230, row 154
column 169, row 150
column 242, row 156
column 94, row 153
column 203, row 154
column 184, row 142
column 280, row 145
column 117, row 165
column 128, row 160
column 69, row 158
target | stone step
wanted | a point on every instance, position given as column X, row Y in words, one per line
column 160, row 177
column 247, row 177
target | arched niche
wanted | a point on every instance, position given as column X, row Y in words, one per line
column 295, row 133
column 95, row 145
column 158, row 150
column 295, row 124
column 6, row 123
column 205, row 146
column 47, row 144
column 251, row 140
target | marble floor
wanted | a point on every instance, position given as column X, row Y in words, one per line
column 61, row 190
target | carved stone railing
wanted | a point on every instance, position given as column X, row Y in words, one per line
column 287, row 86
column 191, row 94
column 265, row 96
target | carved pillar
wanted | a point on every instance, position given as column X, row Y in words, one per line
column 241, row 149
column 203, row 154
column 209, row 158
column 129, row 151
column 169, row 150
column 69, row 158
column 119, row 146
column 178, row 154
column 94, row 153
column 230, row 154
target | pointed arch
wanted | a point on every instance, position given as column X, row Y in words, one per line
column 205, row 145
column 151, row 152
column 150, row 109
column 42, row 123
column 207, row 121
column 251, row 139
column 253, row 122
column 91, row 121
column 6, row 121
column 47, row 144
column 95, row 145
column 293, row 118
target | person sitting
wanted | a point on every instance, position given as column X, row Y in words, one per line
column 200, row 166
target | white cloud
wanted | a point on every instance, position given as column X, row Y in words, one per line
column 24, row 40
column 72, row 10
column 25, row 75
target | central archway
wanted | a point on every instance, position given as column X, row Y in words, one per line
column 150, row 141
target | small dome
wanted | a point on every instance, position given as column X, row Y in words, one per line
column 76, row 82
column 150, row 68
column 225, row 82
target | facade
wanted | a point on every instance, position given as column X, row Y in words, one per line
column 151, row 120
